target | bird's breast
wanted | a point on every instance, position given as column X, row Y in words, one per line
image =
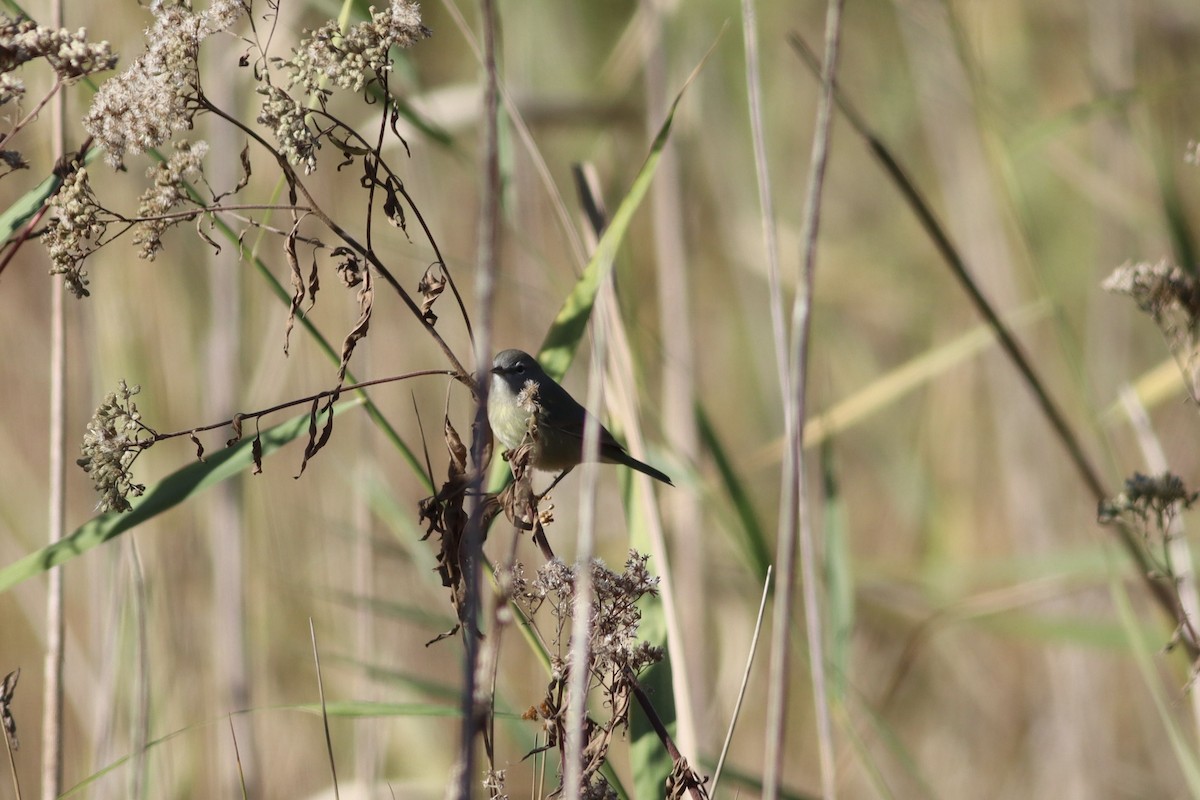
column 509, row 420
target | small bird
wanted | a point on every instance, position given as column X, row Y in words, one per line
column 524, row 399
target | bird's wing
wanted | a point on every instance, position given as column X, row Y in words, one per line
column 561, row 412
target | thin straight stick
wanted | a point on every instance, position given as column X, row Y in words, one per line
column 485, row 282
column 52, row 694
column 581, row 617
column 737, row 707
column 796, row 516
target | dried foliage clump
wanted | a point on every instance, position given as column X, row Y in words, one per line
column 1150, row 505
column 1169, row 294
column 446, row 515
column 7, row 688
column 616, row 656
column 170, row 189
column 358, row 57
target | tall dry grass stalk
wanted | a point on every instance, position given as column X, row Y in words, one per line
column 796, row 529
column 54, row 661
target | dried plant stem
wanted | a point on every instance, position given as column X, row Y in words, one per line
column 625, row 406
column 517, row 120
column 312, row 634
column 737, row 707
column 487, row 248
column 12, row 764
column 54, row 93
column 682, row 509
column 141, row 676
column 763, row 181
column 52, row 702
column 796, row 521
column 224, row 521
column 581, row 617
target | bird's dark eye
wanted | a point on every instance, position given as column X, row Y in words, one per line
column 520, row 368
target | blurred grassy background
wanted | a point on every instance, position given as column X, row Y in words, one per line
column 987, row 657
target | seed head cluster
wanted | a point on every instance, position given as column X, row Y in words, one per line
column 327, row 58
column 169, row 190
column 288, row 120
column 74, row 230
column 360, row 55
column 110, row 447
column 69, row 54
column 615, row 615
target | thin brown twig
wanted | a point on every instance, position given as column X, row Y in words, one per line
column 50, row 95
column 307, row 400
column 403, row 191
column 660, row 729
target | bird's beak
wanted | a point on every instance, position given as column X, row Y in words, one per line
column 496, row 370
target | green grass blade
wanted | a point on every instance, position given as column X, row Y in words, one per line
column 839, row 580
column 26, row 206
column 648, row 759
column 752, row 537
column 169, row 492
column 562, row 340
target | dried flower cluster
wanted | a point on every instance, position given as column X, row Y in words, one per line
column 157, row 95
column 111, row 445
column 74, row 231
column 615, row 616
column 359, row 56
column 69, row 54
column 615, row 656
column 169, row 190
column 288, row 121
column 1162, row 290
column 1150, row 498
column 326, row 57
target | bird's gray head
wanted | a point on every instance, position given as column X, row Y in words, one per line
column 515, row 367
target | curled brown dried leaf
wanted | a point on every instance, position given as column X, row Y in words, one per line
column 445, row 514
column 366, row 300
column 236, row 424
column 431, row 286
column 7, row 689
column 297, row 279
column 349, row 268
